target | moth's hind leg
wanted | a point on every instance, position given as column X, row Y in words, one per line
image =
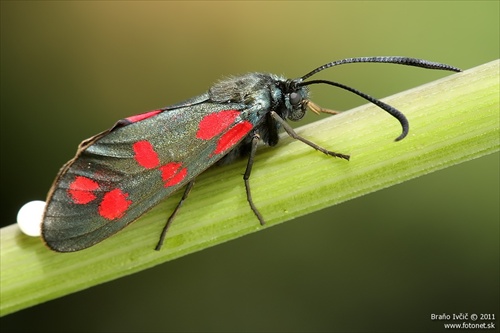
column 189, row 186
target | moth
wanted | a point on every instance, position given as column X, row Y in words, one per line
column 121, row 173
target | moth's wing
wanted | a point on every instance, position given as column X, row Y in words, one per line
column 119, row 174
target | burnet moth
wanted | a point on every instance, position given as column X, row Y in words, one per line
column 119, row 174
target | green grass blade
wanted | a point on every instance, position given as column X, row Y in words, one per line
column 452, row 120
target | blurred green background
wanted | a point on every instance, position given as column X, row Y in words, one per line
column 71, row 69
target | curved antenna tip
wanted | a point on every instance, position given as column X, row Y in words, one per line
column 402, row 136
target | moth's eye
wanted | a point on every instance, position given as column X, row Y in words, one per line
column 295, row 98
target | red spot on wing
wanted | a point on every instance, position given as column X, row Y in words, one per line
column 172, row 173
column 145, row 154
column 142, row 116
column 231, row 137
column 177, row 178
column 80, row 190
column 114, row 204
column 215, row 123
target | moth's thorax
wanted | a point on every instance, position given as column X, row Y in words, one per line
column 240, row 89
column 267, row 91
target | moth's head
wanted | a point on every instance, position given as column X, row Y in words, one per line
column 296, row 99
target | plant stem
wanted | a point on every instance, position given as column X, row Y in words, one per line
column 452, row 120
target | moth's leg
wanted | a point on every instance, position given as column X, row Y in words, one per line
column 294, row 135
column 246, row 177
column 189, row 186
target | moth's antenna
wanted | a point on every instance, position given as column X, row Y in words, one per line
column 386, row 60
column 390, row 60
column 390, row 109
